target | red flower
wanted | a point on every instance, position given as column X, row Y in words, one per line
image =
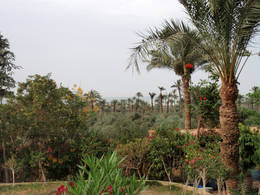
column 49, row 149
column 189, row 66
column 109, row 188
column 71, row 184
column 151, row 137
column 201, row 98
column 186, row 160
column 100, row 193
column 61, row 189
column 204, row 98
column 179, row 146
column 57, row 193
column 121, row 189
column 192, row 142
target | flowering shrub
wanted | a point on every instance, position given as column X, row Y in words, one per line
column 136, row 156
column 206, row 102
column 104, row 177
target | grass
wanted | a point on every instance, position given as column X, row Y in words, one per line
column 169, row 190
column 153, row 188
column 29, row 189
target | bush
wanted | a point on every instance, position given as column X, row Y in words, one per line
column 104, row 177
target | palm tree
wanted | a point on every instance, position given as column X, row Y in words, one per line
column 172, row 49
column 161, row 98
column 239, row 100
column 178, row 86
column 102, row 105
column 122, row 106
column 168, row 98
column 227, row 27
column 138, row 95
column 152, row 96
column 94, row 98
column 114, row 103
column 174, row 97
column 251, row 99
column 129, row 104
column 134, row 104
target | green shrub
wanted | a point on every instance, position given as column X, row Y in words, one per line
column 104, row 177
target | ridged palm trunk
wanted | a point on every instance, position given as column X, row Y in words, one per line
column 161, row 103
column 186, row 85
column 114, row 107
column 229, row 131
column 180, row 104
column 152, row 105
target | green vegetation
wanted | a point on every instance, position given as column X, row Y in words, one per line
column 50, row 132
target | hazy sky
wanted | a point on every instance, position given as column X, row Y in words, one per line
column 86, row 42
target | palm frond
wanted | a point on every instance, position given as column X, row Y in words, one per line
column 227, row 26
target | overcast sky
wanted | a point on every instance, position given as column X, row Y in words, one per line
column 86, row 42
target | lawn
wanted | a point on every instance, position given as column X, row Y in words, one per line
column 49, row 188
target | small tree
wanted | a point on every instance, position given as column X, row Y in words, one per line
column 12, row 164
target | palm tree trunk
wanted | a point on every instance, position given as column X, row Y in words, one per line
column 114, row 107
column 161, row 104
column 152, row 105
column 180, row 104
column 167, row 106
column 229, row 132
column 186, row 81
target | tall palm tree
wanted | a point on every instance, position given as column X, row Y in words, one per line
column 134, row 107
column 168, row 99
column 122, row 106
column 152, row 96
column 102, row 105
column 227, row 27
column 129, row 104
column 138, row 96
column 114, row 103
column 172, row 101
column 178, row 86
column 171, row 48
column 161, row 98
column 239, row 100
column 94, row 98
